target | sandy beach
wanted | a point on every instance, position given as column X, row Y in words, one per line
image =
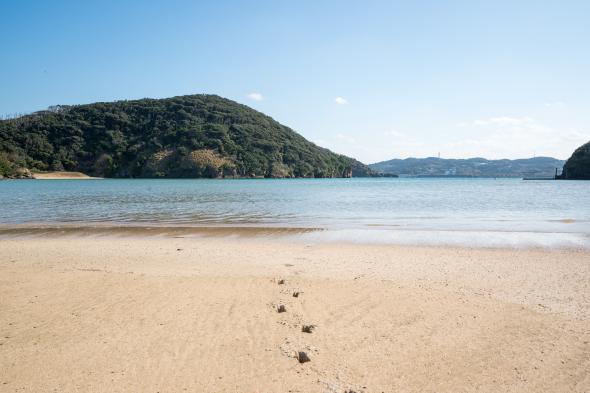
column 62, row 176
column 177, row 313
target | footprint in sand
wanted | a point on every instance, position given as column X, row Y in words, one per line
column 302, row 357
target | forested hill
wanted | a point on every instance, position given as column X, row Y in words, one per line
column 471, row 167
column 578, row 165
column 186, row 136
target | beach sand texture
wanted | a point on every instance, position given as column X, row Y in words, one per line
column 61, row 176
column 164, row 314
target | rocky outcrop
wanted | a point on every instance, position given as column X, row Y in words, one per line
column 23, row 173
column 577, row 167
column 18, row 173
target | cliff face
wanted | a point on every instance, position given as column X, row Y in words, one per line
column 186, row 136
column 577, row 167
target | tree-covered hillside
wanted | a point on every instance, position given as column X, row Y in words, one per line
column 578, row 165
column 186, row 136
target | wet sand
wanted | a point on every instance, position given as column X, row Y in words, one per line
column 175, row 313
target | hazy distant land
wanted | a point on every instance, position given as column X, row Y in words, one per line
column 471, row 167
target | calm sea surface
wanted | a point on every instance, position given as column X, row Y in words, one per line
column 433, row 211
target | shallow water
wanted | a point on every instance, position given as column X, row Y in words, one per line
column 414, row 211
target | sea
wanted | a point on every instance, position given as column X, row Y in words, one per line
column 472, row 212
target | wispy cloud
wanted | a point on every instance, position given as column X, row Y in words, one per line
column 555, row 104
column 345, row 138
column 383, row 145
column 394, row 133
column 341, row 101
column 256, row 96
column 510, row 137
column 504, row 121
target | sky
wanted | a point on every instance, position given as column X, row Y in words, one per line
column 371, row 79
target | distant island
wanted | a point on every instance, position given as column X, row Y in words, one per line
column 471, row 167
column 577, row 167
column 189, row 136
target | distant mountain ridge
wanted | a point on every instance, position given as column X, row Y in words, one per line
column 186, row 136
column 470, row 167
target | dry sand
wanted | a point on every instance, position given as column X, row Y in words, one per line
column 62, row 176
column 156, row 314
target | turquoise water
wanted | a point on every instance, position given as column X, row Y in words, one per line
column 388, row 209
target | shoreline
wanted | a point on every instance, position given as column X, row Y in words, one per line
column 168, row 313
column 371, row 235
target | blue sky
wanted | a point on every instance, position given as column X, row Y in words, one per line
column 371, row 79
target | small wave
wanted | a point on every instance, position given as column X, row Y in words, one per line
column 483, row 239
column 153, row 230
